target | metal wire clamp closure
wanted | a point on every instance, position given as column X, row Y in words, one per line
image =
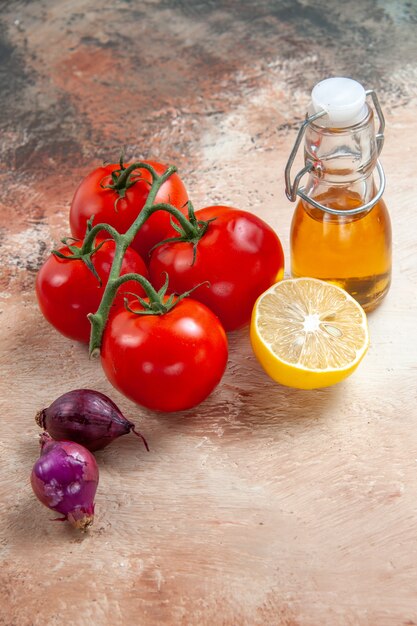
column 293, row 190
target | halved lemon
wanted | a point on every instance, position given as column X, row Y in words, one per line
column 307, row 333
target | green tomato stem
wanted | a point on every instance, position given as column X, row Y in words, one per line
column 123, row 181
column 98, row 319
column 88, row 244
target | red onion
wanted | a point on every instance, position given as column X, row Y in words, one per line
column 87, row 417
column 65, row 479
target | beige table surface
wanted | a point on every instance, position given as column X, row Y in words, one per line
column 264, row 505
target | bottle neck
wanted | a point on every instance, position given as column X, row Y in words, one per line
column 344, row 160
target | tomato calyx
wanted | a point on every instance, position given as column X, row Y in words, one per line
column 87, row 249
column 78, row 254
column 196, row 229
column 124, row 178
column 157, row 302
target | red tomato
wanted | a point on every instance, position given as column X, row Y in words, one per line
column 168, row 362
column 91, row 199
column 239, row 254
column 67, row 290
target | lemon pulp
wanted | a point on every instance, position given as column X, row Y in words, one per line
column 308, row 333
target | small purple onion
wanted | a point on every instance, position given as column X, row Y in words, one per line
column 65, row 479
column 87, row 417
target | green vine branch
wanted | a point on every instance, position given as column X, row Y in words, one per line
column 190, row 229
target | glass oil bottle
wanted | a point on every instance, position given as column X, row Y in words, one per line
column 341, row 230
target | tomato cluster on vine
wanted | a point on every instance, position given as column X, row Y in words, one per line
column 153, row 285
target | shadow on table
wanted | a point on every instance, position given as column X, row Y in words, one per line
column 28, row 522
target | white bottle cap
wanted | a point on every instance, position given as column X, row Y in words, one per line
column 343, row 99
